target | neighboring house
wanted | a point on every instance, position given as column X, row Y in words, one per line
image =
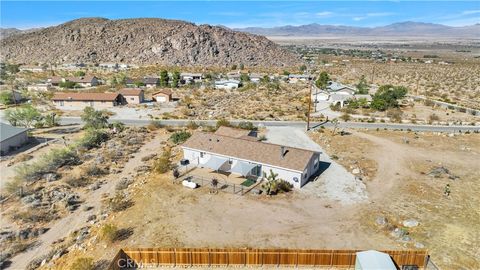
column 84, row 81
column 129, row 83
column 187, row 78
column 255, row 78
column 234, row 75
column 78, row 101
column 40, row 87
column 12, row 138
column 339, row 99
column 295, row 78
column 151, row 82
column 227, row 84
column 132, row 95
column 340, row 88
column 32, row 68
column 162, row 96
column 251, row 158
column 55, row 80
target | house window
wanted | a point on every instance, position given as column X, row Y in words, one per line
column 61, row 103
column 202, row 154
column 91, row 103
column 132, row 98
column 315, row 163
column 257, row 171
column 230, row 161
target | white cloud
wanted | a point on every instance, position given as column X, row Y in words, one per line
column 470, row 12
column 324, row 14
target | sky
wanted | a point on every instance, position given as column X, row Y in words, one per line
column 239, row 14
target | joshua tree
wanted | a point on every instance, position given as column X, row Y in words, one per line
column 214, row 186
column 271, row 186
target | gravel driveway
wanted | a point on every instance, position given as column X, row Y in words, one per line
column 335, row 182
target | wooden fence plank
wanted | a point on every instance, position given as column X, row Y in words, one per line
column 255, row 257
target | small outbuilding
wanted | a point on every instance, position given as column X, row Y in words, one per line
column 374, row 260
column 164, row 95
column 132, row 95
column 12, row 138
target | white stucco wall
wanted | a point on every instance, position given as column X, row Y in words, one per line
column 288, row 175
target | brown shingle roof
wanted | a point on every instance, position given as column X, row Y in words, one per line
column 295, row 159
column 131, row 91
column 163, row 91
column 232, row 132
column 86, row 96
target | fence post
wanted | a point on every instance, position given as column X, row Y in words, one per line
column 233, row 188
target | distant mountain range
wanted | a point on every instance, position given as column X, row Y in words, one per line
column 402, row 29
column 6, row 32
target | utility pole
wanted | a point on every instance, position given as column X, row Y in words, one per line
column 309, row 103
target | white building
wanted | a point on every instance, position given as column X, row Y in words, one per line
column 187, row 78
column 227, row 84
column 32, row 68
column 251, row 158
column 12, row 138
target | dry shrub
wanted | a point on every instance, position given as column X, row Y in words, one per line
column 109, row 232
column 82, row 263
column 119, row 202
column 34, row 216
column 77, row 181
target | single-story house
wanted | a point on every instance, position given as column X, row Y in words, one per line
column 40, row 87
column 84, row 81
column 255, row 77
column 234, row 75
column 340, row 88
column 32, row 68
column 186, row 78
column 251, row 158
column 132, row 95
column 55, row 80
column 227, row 84
column 151, row 82
column 294, row 78
column 339, row 99
column 78, row 101
column 11, row 138
column 161, row 96
column 130, row 83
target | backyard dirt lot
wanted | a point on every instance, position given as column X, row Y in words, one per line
column 404, row 173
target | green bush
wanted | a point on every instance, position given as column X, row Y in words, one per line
column 6, row 97
column 224, row 123
column 93, row 138
column 247, row 125
column 180, row 137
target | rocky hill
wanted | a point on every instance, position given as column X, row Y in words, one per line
column 144, row 41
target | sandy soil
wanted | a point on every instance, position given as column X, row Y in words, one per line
column 396, row 178
column 66, row 225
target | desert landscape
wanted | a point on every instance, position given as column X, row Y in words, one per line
column 343, row 133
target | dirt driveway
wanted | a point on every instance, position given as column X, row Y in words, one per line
column 335, row 182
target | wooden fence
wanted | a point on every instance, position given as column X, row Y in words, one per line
column 133, row 258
